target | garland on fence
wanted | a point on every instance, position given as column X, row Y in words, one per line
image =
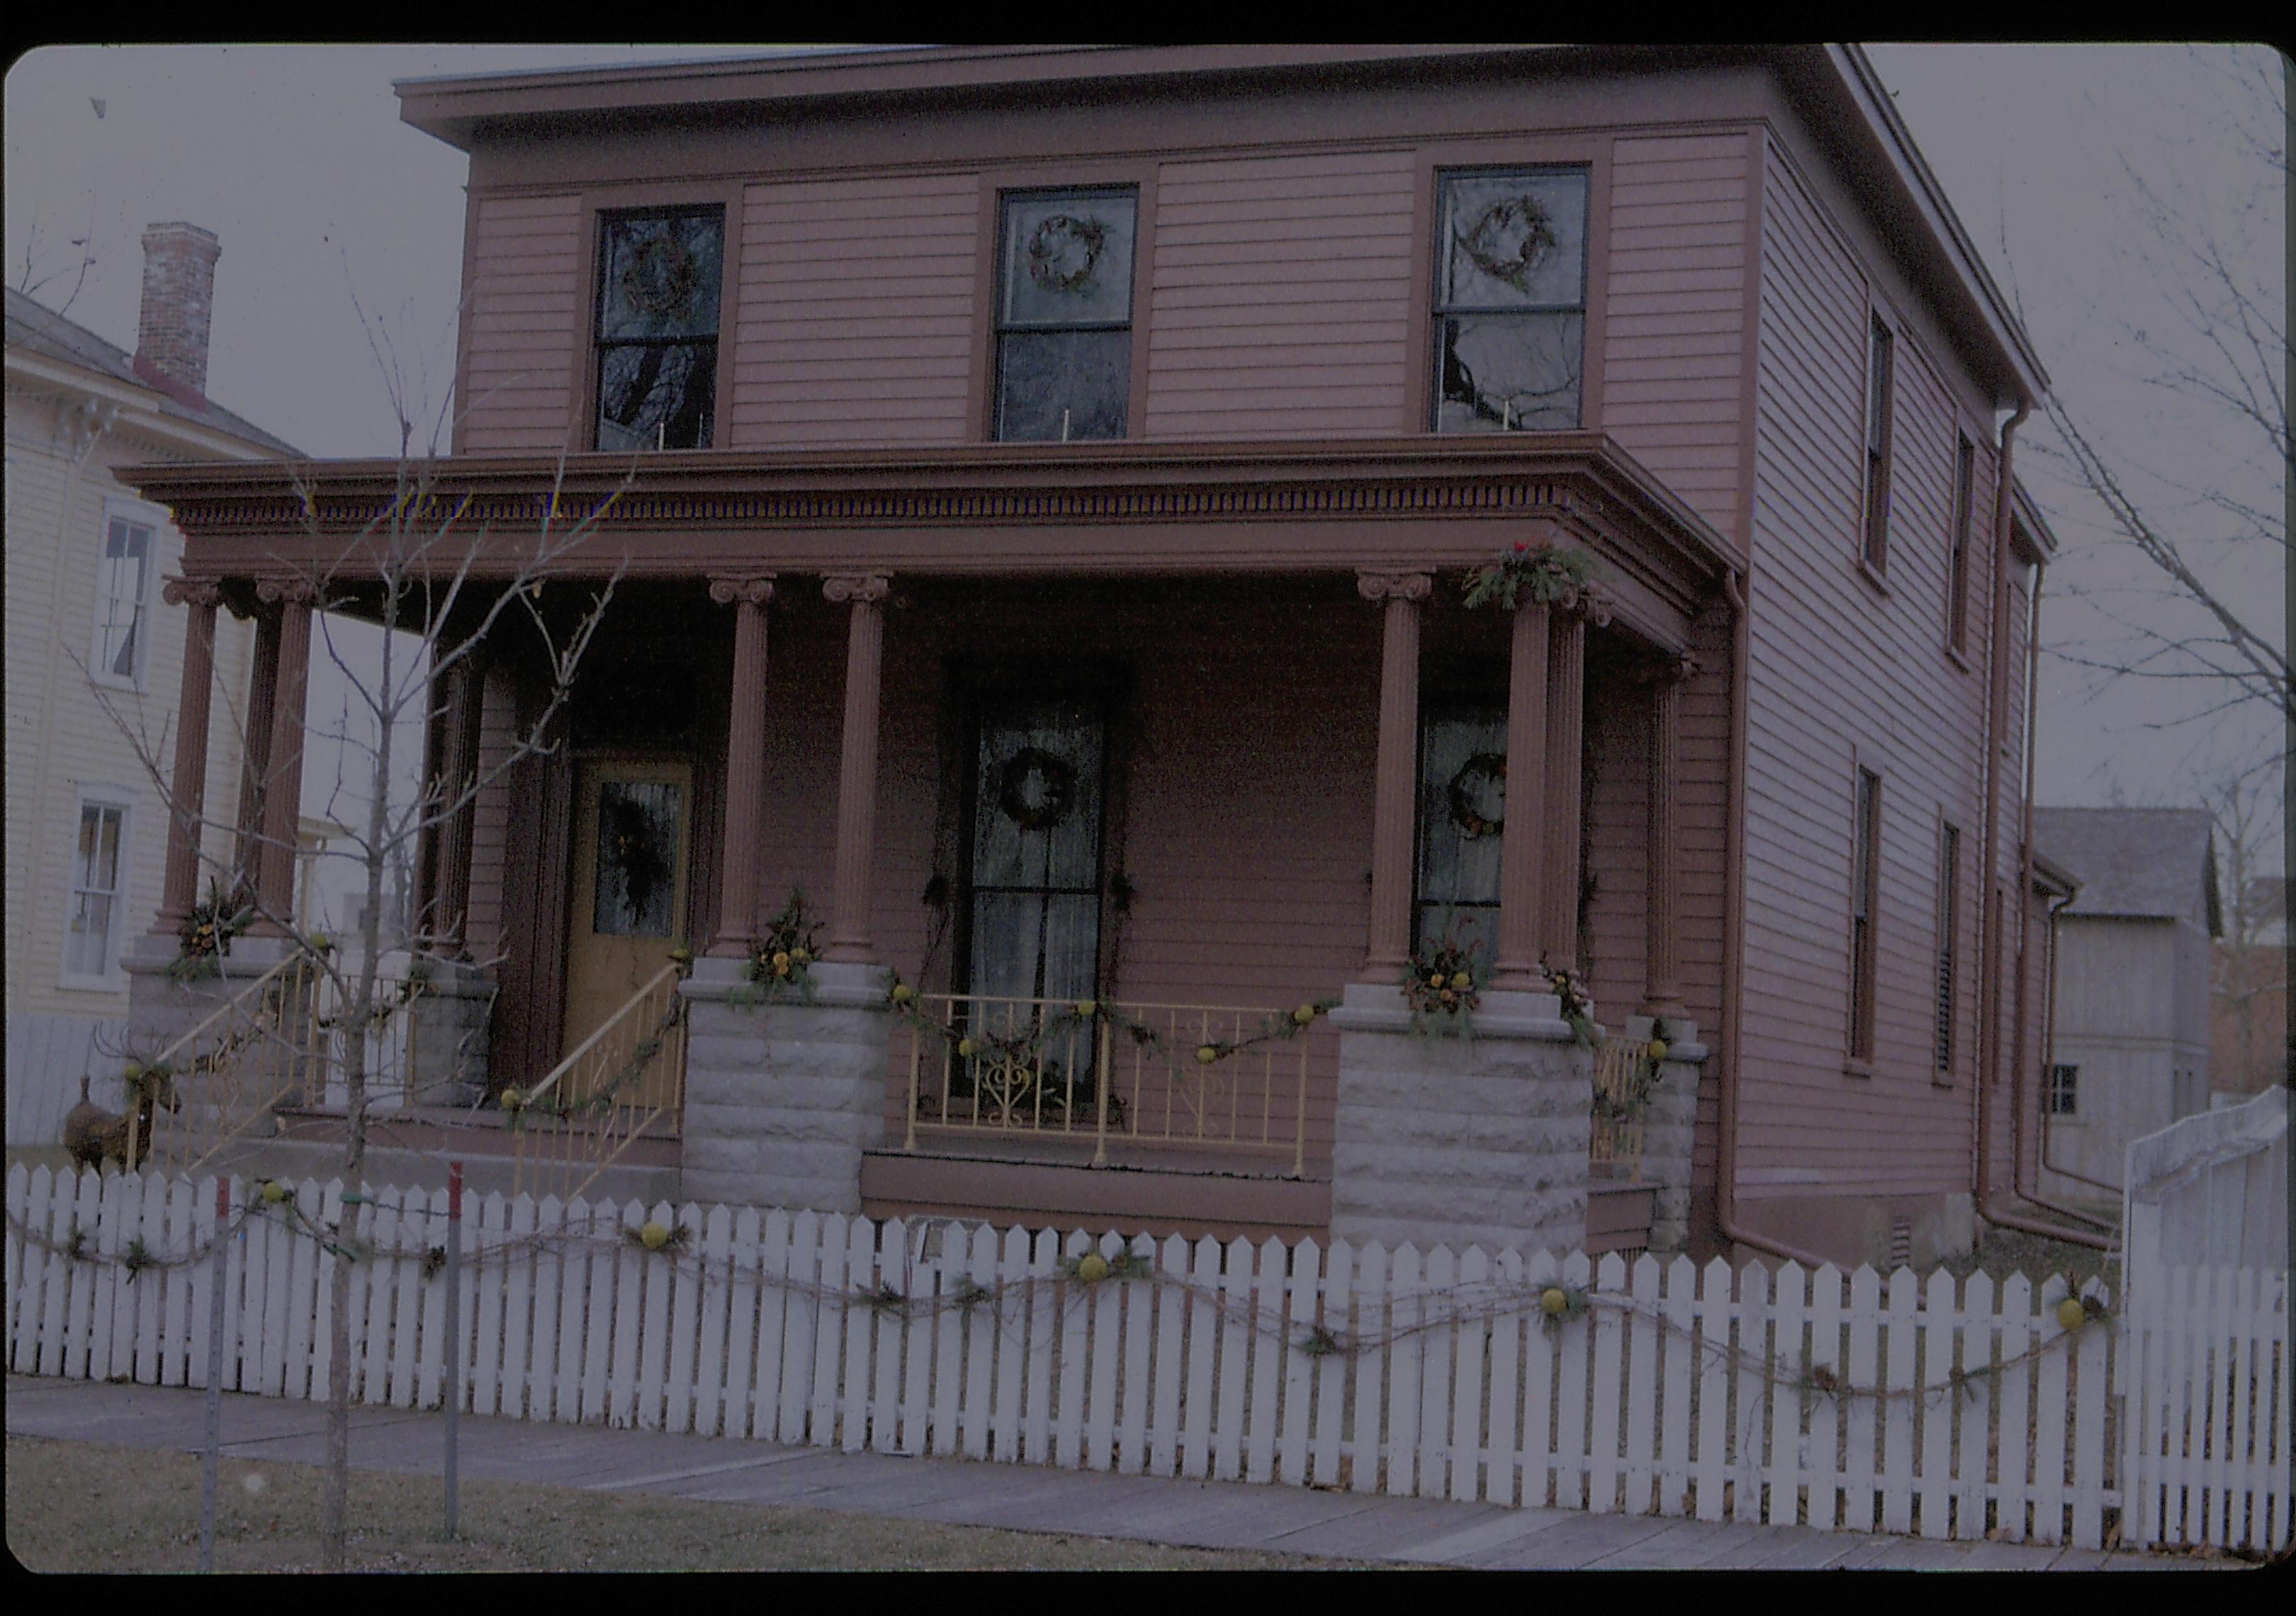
column 1551, row 1304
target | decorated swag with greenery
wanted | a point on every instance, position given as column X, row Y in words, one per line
column 1546, row 573
column 207, row 931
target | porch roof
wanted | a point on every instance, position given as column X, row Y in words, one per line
column 1010, row 510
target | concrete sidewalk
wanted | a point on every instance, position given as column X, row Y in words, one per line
column 1022, row 1497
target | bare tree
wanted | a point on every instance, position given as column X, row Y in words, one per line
column 2248, row 967
column 2212, row 532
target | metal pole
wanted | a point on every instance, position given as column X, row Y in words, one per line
column 210, row 1462
column 454, row 1328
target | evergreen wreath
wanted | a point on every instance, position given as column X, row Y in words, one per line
column 1056, row 242
column 1462, row 796
column 1059, row 789
column 660, row 278
column 1485, row 240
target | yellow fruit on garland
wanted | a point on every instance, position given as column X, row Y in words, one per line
column 1304, row 1014
column 1434, row 979
column 653, row 1236
column 1553, row 1302
column 801, row 956
column 1462, row 980
column 1094, row 1267
column 903, row 992
column 1087, row 1008
column 1657, row 1050
column 1206, row 1054
column 2071, row 1314
column 512, row 1099
column 781, row 965
column 965, row 1046
column 274, row 1191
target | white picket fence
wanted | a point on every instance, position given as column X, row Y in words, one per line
column 1834, row 1400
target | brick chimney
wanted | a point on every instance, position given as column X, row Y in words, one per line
column 172, row 333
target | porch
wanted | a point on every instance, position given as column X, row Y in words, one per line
column 1018, row 789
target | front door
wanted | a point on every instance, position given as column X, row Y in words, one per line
column 631, row 820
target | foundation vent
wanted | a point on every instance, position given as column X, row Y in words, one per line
column 1901, row 1243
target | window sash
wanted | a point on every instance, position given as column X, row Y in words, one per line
column 124, row 580
column 1879, row 410
column 1472, row 305
column 1038, row 334
column 1965, row 495
column 92, row 924
column 1863, row 878
column 651, row 339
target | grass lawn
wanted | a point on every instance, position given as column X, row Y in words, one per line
column 78, row 1507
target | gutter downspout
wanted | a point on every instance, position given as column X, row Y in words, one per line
column 1997, row 702
column 2017, row 1067
column 1733, row 925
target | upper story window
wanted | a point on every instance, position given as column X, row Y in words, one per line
column 1064, row 316
column 1964, row 486
column 1878, row 390
column 1510, row 300
column 123, row 597
column 658, row 287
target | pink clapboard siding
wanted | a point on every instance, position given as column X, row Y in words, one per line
column 1284, row 297
column 519, row 381
column 1891, row 701
column 854, row 313
column 1672, row 365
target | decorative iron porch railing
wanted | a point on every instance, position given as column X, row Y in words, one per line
column 1180, row 1076
column 625, row 1082
column 1623, row 1078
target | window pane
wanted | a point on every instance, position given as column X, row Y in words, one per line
column 1068, row 259
column 1079, row 380
column 657, row 396
column 1512, row 240
column 1510, row 372
column 661, row 277
column 637, row 859
column 1036, row 822
column 1877, row 402
column 1461, row 808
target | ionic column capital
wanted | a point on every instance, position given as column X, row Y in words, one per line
column 1395, row 585
column 191, row 592
column 1586, row 603
column 751, row 589
column 294, row 591
column 862, row 589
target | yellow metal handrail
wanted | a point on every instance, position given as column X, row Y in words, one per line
column 1622, row 1081
column 1189, row 1076
column 605, row 1096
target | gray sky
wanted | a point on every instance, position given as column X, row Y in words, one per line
column 296, row 158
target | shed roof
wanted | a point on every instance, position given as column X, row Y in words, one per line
column 2145, row 864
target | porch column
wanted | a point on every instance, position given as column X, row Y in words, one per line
column 856, row 779
column 1519, row 854
column 1566, row 686
column 745, row 764
column 1389, row 949
column 275, row 855
column 255, row 745
column 1661, row 972
column 446, row 917
column 189, row 785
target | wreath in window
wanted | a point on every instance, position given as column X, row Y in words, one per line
column 1511, row 240
column 1037, row 790
column 1064, row 250
column 1470, row 789
column 660, row 277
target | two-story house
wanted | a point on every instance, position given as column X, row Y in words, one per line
column 95, row 658
column 1043, row 484
column 2129, row 1053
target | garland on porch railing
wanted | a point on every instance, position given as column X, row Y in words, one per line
column 1027, row 1046
column 1551, row 1304
column 521, row 1108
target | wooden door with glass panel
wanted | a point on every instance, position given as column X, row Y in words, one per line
column 632, row 818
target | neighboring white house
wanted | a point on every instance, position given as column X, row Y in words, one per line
column 87, row 830
column 2130, row 1050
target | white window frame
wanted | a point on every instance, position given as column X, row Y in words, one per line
column 118, row 508
column 113, row 979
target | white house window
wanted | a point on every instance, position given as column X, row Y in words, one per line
column 2064, row 1091
column 123, row 587
column 92, row 929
